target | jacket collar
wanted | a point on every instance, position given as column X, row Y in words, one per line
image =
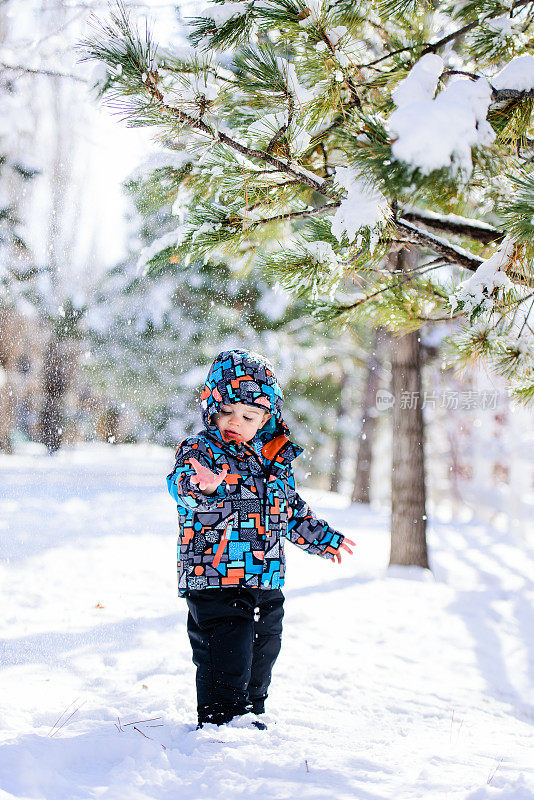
column 280, row 450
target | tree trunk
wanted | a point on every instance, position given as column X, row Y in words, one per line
column 361, row 492
column 56, row 380
column 335, row 478
column 408, row 516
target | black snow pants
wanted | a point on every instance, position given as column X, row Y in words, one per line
column 235, row 634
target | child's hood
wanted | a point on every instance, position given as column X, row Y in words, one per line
column 240, row 376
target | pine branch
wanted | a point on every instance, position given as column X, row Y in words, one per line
column 447, row 72
column 398, row 7
column 289, row 168
column 267, row 158
column 432, row 47
column 355, row 99
column 524, row 393
column 312, row 212
column 130, row 61
column 511, row 94
column 119, row 43
column 459, row 227
column 451, row 253
column 228, row 35
column 282, row 130
column 41, row 71
column 407, row 278
column 517, row 213
column 400, row 306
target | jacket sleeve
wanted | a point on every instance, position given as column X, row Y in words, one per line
column 187, row 494
column 306, row 530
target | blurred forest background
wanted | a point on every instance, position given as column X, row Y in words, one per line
column 92, row 348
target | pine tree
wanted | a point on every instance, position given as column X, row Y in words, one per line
column 325, row 134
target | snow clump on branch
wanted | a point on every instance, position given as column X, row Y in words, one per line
column 518, row 74
column 420, row 83
column 504, row 26
column 173, row 159
column 221, row 13
column 322, row 253
column 435, row 133
column 200, row 87
column 364, row 206
column 173, row 239
column 300, row 92
column 477, row 292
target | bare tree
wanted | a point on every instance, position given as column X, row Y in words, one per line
column 342, row 412
column 408, row 494
column 362, row 478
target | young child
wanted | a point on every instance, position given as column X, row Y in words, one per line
column 235, row 490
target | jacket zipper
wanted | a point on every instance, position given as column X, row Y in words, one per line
column 222, row 545
column 267, row 474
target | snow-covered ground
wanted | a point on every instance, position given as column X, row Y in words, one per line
column 390, row 684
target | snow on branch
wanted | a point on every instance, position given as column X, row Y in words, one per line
column 453, row 223
column 50, row 73
column 172, row 159
column 517, row 75
column 515, row 81
column 421, row 82
column 451, row 253
column 363, row 207
column 172, row 240
column 309, row 212
column 438, row 133
column 220, row 14
column 477, row 293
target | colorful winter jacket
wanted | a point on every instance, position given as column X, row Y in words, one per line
column 235, row 536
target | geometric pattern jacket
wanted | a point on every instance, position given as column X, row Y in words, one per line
column 235, row 536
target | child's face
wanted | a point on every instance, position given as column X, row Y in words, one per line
column 240, row 422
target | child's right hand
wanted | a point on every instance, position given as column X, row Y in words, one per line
column 207, row 480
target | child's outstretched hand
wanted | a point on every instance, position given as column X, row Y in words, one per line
column 206, row 479
column 344, row 546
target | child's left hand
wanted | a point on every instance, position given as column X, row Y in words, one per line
column 344, row 546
